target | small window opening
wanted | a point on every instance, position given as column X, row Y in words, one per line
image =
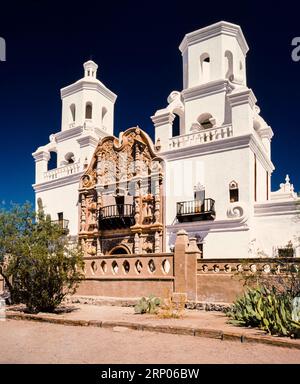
column 233, row 192
column 88, row 111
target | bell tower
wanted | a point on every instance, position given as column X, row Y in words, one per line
column 214, row 53
column 88, row 103
column 87, row 117
column 214, row 65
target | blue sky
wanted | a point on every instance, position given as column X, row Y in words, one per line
column 135, row 44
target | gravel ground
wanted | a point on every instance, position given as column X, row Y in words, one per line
column 33, row 342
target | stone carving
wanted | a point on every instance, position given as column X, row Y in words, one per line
column 127, row 166
column 147, row 211
column 91, row 248
column 236, row 210
column 147, row 246
column 136, row 243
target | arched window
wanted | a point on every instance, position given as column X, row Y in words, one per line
column 233, row 191
column 52, row 163
column 69, row 157
column 205, row 68
column 104, row 116
column 88, row 110
column 176, row 126
column 73, row 112
column 229, row 70
column 206, row 120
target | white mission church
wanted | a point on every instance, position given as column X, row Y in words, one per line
column 208, row 170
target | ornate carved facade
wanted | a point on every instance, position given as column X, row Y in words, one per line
column 121, row 197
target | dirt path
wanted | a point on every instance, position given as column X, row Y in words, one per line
column 31, row 342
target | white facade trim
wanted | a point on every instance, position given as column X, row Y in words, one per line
column 87, row 141
column 68, row 134
column 208, row 89
column 213, row 30
column 215, row 226
column 241, row 97
column 278, row 208
column 83, row 84
column 222, row 145
column 58, row 183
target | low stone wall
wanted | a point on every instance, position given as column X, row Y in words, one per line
column 182, row 274
column 220, row 280
column 129, row 275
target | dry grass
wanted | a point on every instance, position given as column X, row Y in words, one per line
column 171, row 310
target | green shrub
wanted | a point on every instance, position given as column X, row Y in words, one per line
column 37, row 262
column 266, row 309
column 147, row 305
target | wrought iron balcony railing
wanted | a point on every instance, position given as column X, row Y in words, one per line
column 196, row 210
column 116, row 216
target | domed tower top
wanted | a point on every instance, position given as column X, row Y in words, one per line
column 90, row 69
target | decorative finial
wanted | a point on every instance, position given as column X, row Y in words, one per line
column 287, row 179
column 90, row 69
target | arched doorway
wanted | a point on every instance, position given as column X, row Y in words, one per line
column 119, row 250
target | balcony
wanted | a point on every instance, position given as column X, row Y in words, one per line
column 196, row 210
column 116, row 216
column 201, row 137
column 66, row 170
column 64, row 224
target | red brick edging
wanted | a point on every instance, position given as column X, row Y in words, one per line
column 178, row 330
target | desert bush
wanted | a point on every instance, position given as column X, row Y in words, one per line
column 37, row 262
column 172, row 310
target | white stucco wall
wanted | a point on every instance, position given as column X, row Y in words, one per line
column 62, row 199
column 214, row 171
column 277, row 229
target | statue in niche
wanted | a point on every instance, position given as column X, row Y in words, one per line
column 91, row 214
column 147, row 210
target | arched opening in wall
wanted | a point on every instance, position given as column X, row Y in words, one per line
column 52, row 163
column 229, row 65
column 233, row 191
column 104, row 116
column 73, row 112
column 176, row 126
column 119, row 250
column 88, row 110
column 70, row 158
column 205, row 68
column 241, row 69
column 206, row 120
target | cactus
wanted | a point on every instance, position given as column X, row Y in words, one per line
column 147, row 305
column 274, row 312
